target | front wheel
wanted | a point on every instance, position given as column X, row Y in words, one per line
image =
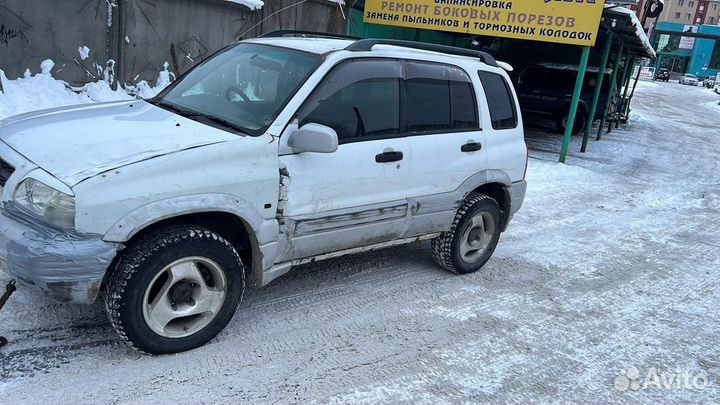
column 472, row 238
column 174, row 289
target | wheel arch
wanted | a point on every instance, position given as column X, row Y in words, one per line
column 230, row 217
column 500, row 193
column 494, row 184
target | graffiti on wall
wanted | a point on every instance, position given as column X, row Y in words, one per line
column 12, row 27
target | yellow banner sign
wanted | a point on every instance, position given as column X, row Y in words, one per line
column 561, row 21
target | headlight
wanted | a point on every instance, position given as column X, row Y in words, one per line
column 45, row 202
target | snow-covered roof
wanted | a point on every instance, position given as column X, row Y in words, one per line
column 574, row 68
column 636, row 27
column 319, row 46
column 251, row 4
column 258, row 4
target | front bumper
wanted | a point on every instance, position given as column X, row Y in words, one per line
column 67, row 267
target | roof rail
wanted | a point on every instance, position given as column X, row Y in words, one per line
column 305, row 34
column 367, row 45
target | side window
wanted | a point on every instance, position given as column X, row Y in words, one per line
column 359, row 99
column 503, row 112
column 439, row 98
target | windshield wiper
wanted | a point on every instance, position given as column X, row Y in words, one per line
column 199, row 115
column 217, row 120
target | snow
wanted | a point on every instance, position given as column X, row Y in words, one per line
column 251, row 4
column 101, row 91
column 46, row 66
column 42, row 91
column 635, row 21
column 145, row 90
column 110, row 6
column 84, row 52
column 36, row 92
column 258, row 4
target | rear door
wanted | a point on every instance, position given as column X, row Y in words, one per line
column 447, row 144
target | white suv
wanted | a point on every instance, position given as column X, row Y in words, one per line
column 274, row 152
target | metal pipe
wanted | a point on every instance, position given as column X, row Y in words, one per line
column 625, row 78
column 613, row 81
column 575, row 102
column 632, row 93
column 598, row 90
column 626, row 82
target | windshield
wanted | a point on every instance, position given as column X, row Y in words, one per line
column 691, row 76
column 242, row 88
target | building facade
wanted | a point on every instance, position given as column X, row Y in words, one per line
column 681, row 54
column 691, row 12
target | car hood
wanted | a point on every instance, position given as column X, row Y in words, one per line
column 79, row 142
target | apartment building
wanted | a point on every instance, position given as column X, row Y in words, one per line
column 691, row 12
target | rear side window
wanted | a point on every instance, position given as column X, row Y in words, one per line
column 502, row 105
column 439, row 98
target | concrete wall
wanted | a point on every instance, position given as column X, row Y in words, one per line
column 140, row 35
column 32, row 31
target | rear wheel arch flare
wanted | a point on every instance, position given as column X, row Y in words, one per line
column 500, row 193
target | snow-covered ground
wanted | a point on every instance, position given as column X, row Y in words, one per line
column 604, row 288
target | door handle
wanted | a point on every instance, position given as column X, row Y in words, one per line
column 387, row 157
column 471, row 147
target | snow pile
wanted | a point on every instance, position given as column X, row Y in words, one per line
column 42, row 91
column 36, row 93
column 84, row 52
column 101, row 91
column 144, row 90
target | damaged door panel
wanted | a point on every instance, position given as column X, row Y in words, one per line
column 316, row 234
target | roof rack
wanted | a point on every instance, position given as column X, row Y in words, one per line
column 306, row 34
column 367, row 45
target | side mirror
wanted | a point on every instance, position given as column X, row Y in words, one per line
column 313, row 138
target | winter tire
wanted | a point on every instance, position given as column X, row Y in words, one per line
column 174, row 289
column 472, row 238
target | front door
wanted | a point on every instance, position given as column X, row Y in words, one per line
column 355, row 196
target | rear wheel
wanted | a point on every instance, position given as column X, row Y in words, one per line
column 472, row 238
column 174, row 289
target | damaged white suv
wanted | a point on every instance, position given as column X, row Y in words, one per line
column 274, row 152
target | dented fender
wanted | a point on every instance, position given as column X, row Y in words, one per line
column 264, row 230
